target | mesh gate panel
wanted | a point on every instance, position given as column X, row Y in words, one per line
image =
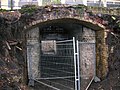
column 57, row 69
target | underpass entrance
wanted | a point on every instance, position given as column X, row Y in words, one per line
column 61, row 56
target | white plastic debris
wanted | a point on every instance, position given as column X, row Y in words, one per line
column 96, row 79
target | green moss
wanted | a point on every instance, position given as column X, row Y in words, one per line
column 101, row 55
column 79, row 6
column 28, row 9
column 2, row 10
column 56, row 1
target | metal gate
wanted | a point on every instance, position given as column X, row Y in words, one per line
column 66, row 65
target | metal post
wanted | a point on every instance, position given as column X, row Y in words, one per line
column 100, row 3
column 78, row 64
column 11, row 2
column 75, row 62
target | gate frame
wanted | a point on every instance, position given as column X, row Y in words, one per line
column 76, row 64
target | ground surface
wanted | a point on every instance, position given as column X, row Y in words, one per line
column 112, row 81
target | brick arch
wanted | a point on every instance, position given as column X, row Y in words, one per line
column 51, row 13
column 92, row 25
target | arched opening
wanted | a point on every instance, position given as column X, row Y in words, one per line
column 56, row 59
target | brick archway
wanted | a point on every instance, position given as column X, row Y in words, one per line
column 101, row 51
column 51, row 13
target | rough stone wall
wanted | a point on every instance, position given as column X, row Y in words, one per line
column 33, row 52
column 47, row 13
column 101, row 55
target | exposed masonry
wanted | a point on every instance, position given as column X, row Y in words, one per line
column 52, row 13
column 27, row 21
column 48, row 14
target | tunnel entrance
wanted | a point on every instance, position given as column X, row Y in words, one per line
column 61, row 55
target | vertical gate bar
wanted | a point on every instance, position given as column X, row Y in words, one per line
column 75, row 62
column 94, row 60
column 78, row 64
